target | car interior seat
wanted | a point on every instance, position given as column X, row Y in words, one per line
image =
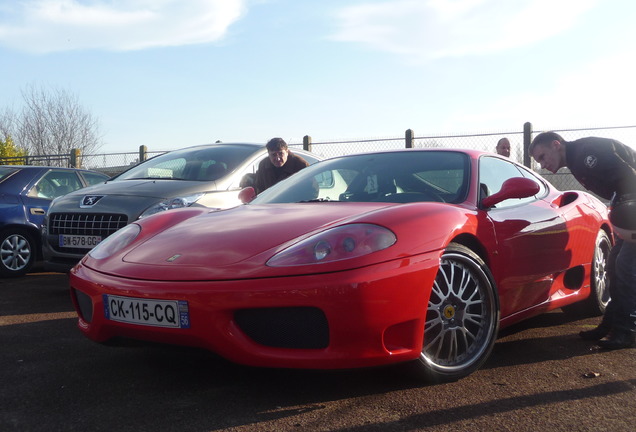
column 215, row 171
column 371, row 188
column 386, row 186
column 63, row 190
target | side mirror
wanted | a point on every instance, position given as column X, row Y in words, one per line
column 247, row 195
column 516, row 187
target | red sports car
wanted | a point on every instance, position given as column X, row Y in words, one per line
column 363, row 260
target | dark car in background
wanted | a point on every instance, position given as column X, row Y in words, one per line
column 207, row 175
column 25, row 195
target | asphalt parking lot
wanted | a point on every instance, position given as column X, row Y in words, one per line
column 541, row 376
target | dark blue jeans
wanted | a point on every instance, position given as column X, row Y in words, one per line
column 621, row 311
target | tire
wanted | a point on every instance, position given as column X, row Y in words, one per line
column 17, row 252
column 462, row 318
column 599, row 297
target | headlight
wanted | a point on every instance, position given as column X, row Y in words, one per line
column 115, row 242
column 172, row 203
column 335, row 244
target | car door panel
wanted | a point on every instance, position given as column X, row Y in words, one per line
column 531, row 242
column 531, row 238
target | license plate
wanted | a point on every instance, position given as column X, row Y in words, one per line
column 149, row 312
column 79, row 241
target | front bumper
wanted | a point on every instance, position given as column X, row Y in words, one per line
column 56, row 261
column 357, row 318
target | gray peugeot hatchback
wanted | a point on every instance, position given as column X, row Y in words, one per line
column 205, row 175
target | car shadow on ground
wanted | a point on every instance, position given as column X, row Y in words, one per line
column 158, row 385
column 550, row 336
column 50, row 368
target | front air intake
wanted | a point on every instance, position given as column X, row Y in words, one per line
column 285, row 327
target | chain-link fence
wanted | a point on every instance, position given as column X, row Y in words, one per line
column 563, row 180
column 114, row 163
column 58, row 160
column 486, row 142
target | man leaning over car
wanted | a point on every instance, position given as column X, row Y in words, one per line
column 280, row 164
column 608, row 168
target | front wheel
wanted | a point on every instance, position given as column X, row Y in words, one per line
column 462, row 318
column 17, row 253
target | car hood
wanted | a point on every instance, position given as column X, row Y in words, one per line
column 236, row 243
column 131, row 197
column 152, row 188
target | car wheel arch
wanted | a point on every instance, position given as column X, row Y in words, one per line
column 472, row 242
column 444, row 356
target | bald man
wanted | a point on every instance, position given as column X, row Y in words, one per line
column 503, row 147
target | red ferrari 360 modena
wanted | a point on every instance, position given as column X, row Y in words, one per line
column 415, row 256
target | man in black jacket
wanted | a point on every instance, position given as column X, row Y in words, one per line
column 608, row 168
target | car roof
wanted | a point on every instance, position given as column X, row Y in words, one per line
column 256, row 146
column 224, row 144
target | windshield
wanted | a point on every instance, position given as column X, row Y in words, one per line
column 400, row 177
column 206, row 163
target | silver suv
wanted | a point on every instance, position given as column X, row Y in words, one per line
column 205, row 175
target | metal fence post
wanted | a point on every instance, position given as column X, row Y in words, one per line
column 307, row 143
column 143, row 153
column 75, row 160
column 409, row 136
column 527, row 139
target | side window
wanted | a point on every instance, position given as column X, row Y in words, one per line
column 92, row 178
column 253, row 167
column 56, row 183
column 493, row 172
column 247, row 176
column 542, row 187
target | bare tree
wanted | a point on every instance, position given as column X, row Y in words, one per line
column 52, row 121
column 7, row 122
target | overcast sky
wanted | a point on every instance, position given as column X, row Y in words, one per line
column 173, row 73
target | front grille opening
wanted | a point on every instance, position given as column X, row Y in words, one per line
column 88, row 224
column 286, row 327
